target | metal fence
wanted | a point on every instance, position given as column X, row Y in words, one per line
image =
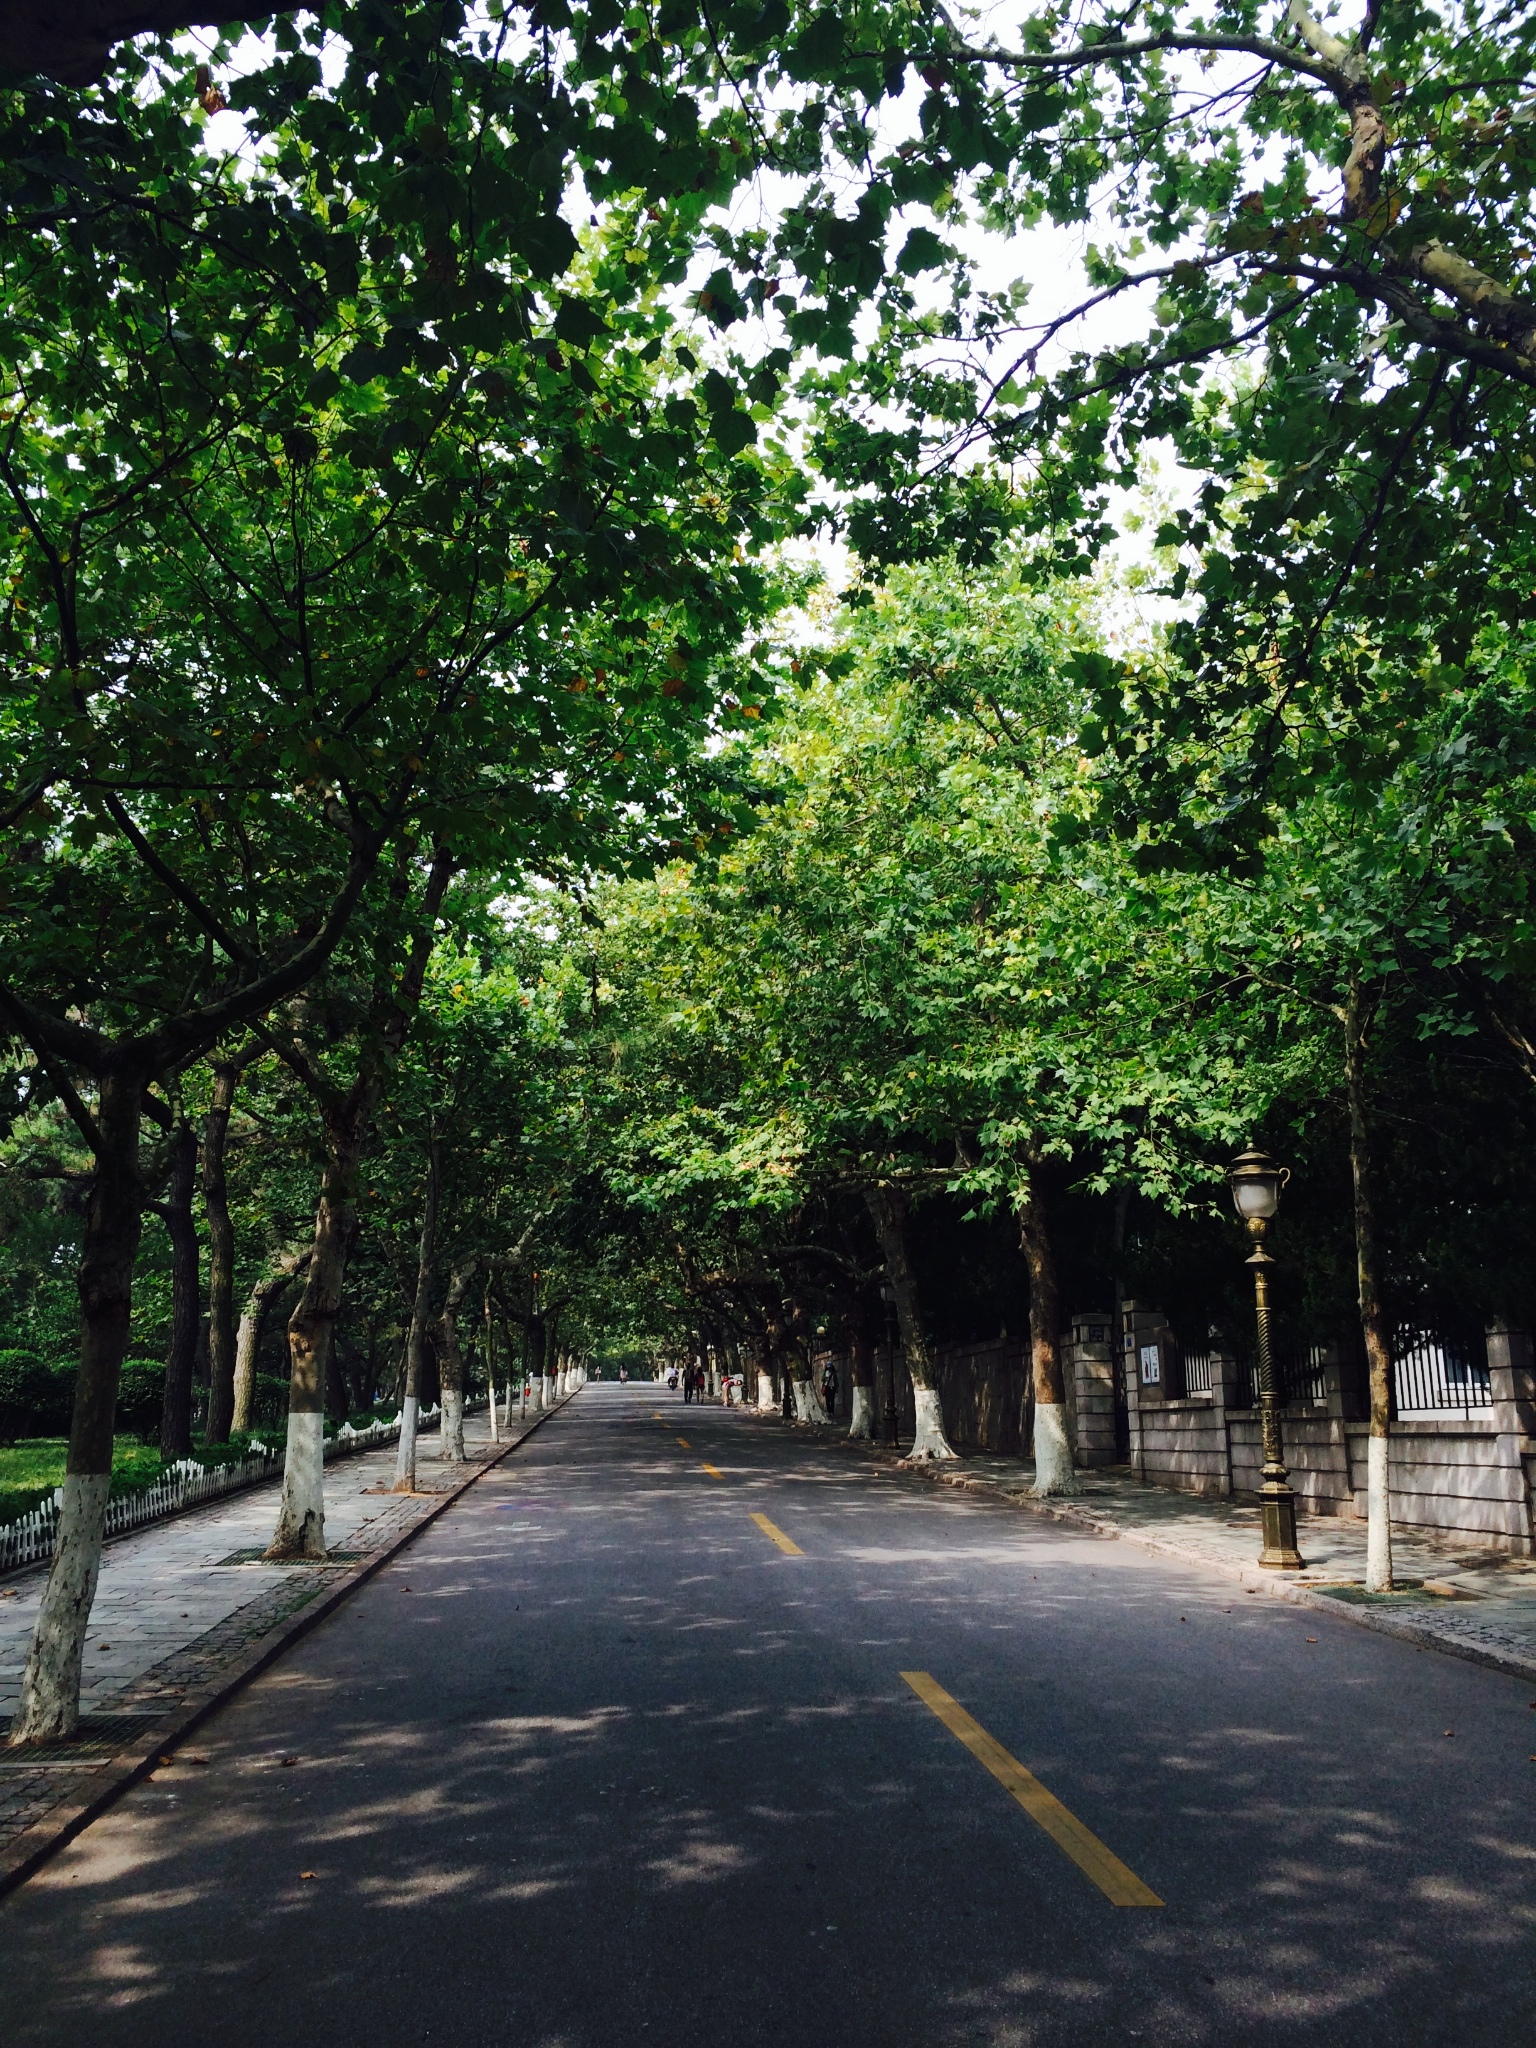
column 1439, row 1372
column 1301, row 1377
column 1197, row 1372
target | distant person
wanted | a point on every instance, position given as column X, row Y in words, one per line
column 623, row 1375
column 687, row 1383
column 829, row 1387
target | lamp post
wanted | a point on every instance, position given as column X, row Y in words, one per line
column 1256, row 1182
column 888, row 1296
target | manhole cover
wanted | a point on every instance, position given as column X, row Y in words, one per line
column 336, row 1559
column 98, row 1738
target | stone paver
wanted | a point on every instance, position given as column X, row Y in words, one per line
column 1487, row 1612
column 170, row 1616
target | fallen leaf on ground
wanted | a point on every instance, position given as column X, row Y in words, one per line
column 1450, row 1731
column 1311, row 1639
column 285, row 1761
column 309, row 1873
column 197, row 1759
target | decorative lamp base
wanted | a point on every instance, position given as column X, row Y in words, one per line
column 1277, row 1508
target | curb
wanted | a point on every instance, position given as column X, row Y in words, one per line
column 1250, row 1577
column 33, row 1848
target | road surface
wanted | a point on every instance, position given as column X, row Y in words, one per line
column 686, row 1729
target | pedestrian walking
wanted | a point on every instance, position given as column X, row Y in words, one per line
column 829, row 1387
column 687, row 1383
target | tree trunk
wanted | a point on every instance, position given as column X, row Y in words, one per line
column 248, row 1337
column 186, row 1296
column 1373, row 1321
column 798, row 1350
column 450, row 1360
column 300, row 1528
column 490, row 1370
column 1053, row 1450
column 49, row 1707
column 221, row 1255
column 861, row 1365
column 887, row 1208
column 421, row 1309
column 535, row 1342
column 345, row 1119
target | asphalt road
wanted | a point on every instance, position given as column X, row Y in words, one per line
column 597, row 1763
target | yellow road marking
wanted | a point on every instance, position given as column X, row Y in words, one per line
column 685, row 1443
column 776, row 1535
column 1122, row 1887
column 713, row 1473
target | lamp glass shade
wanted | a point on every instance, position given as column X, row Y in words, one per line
column 1256, row 1184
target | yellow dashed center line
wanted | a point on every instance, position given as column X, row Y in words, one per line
column 1122, row 1887
column 776, row 1535
column 713, row 1471
column 685, row 1443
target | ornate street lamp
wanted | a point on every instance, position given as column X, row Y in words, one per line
column 1256, row 1182
column 888, row 1296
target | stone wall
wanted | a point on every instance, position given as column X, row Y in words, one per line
column 1474, row 1477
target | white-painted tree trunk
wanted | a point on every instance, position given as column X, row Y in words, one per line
column 1054, row 1471
column 808, row 1406
column 767, row 1400
column 1378, row 1516
column 863, row 1422
column 405, row 1456
column 929, row 1440
column 549, row 1391
column 491, row 1405
column 451, row 1444
column 49, row 1707
column 300, row 1530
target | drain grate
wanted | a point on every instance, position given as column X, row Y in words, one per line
column 98, row 1738
column 337, row 1559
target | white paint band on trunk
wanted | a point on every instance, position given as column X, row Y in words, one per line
column 405, row 1456
column 1378, row 1516
column 451, row 1445
column 300, row 1528
column 1054, row 1473
column 49, row 1707
column 863, row 1422
column 929, row 1440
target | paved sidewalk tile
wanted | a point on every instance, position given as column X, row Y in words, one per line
column 170, row 1616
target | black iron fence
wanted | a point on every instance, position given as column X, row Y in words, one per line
column 1301, row 1377
column 1439, row 1371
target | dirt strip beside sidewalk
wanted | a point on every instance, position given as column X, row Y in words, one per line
column 200, row 1676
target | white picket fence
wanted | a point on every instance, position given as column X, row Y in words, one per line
column 186, row 1484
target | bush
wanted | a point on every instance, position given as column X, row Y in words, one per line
column 141, row 1395
column 35, row 1397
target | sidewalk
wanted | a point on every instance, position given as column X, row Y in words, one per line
column 148, row 1653
column 1474, row 1603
